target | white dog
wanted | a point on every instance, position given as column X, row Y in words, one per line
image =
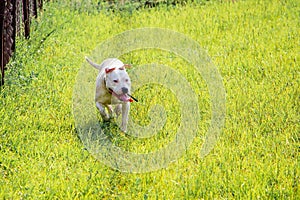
column 113, row 87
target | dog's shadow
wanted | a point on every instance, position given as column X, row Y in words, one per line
column 110, row 128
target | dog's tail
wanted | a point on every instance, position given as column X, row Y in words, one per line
column 97, row 66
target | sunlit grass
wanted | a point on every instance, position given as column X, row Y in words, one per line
column 254, row 44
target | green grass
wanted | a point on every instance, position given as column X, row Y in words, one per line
column 254, row 44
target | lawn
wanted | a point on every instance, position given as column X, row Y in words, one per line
column 253, row 44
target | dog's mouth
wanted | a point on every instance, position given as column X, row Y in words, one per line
column 123, row 97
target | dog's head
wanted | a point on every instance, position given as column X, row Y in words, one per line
column 118, row 82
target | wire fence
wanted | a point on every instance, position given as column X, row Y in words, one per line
column 15, row 16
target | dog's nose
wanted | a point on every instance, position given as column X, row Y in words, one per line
column 124, row 90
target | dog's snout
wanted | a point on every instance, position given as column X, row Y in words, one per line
column 124, row 90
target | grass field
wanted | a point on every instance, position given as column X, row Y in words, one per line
column 255, row 46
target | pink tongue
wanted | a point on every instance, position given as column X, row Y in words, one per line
column 123, row 97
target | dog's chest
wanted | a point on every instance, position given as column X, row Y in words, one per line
column 106, row 98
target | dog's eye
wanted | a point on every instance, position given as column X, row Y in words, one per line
column 116, row 81
column 126, row 80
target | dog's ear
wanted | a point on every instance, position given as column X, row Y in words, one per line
column 127, row 66
column 107, row 70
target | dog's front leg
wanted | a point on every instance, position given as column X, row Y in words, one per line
column 125, row 113
column 110, row 111
column 103, row 114
column 118, row 109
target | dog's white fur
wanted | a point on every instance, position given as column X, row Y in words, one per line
column 112, row 86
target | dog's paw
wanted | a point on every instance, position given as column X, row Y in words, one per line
column 106, row 119
column 124, row 130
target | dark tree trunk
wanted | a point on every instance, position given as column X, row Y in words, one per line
column 8, row 30
column 40, row 4
column 26, row 18
column 34, row 8
column 14, row 23
column 2, row 9
column 12, row 14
